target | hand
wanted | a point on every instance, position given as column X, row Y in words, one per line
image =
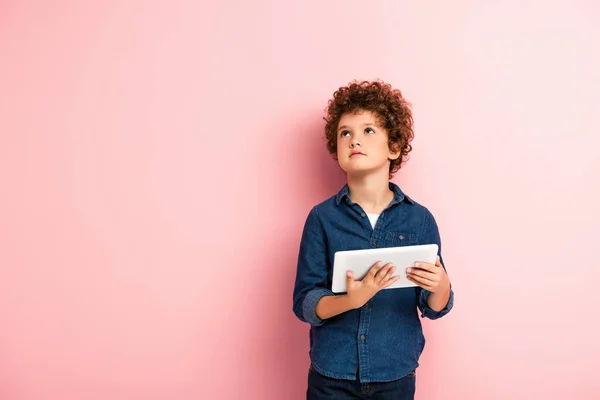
column 359, row 292
column 429, row 276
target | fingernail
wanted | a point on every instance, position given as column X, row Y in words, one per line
column 409, row 270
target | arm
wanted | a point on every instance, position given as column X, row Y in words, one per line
column 311, row 272
column 435, row 294
column 359, row 292
column 330, row 306
column 313, row 302
column 437, row 301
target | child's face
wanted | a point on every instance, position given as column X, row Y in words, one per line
column 362, row 144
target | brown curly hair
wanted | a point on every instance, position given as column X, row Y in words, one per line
column 392, row 110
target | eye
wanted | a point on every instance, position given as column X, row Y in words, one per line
column 369, row 130
column 344, row 133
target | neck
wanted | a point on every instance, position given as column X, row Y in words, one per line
column 371, row 191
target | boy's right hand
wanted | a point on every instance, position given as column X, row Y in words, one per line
column 359, row 292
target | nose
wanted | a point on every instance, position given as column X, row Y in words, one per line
column 354, row 143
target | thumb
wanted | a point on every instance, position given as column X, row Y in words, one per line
column 349, row 278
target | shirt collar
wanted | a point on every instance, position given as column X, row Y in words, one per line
column 399, row 196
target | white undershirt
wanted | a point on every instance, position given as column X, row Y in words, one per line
column 373, row 219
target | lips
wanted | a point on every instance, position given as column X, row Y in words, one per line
column 355, row 153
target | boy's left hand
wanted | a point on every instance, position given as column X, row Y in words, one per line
column 429, row 276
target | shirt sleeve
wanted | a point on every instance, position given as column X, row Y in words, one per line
column 432, row 232
column 312, row 271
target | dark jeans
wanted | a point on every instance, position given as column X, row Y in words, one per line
column 323, row 388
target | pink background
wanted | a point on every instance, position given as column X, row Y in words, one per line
column 158, row 159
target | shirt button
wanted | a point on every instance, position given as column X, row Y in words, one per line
column 401, row 237
column 374, row 243
column 362, row 337
column 363, row 215
column 367, row 305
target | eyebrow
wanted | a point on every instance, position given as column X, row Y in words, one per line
column 367, row 124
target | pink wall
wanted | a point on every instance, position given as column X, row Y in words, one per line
column 157, row 161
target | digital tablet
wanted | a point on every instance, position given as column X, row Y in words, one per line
column 360, row 261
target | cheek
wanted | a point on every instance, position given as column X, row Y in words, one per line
column 383, row 147
column 386, row 146
column 338, row 148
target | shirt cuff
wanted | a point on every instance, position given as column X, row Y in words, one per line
column 309, row 305
column 427, row 312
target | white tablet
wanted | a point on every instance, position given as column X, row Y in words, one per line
column 360, row 261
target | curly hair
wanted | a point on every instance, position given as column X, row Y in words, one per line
column 392, row 110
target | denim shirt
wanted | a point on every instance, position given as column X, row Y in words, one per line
column 383, row 340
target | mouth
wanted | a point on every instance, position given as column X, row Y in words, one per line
column 356, row 153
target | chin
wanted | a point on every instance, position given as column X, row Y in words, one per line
column 358, row 171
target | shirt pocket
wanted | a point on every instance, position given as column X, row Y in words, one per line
column 395, row 239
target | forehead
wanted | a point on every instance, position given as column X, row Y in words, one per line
column 359, row 118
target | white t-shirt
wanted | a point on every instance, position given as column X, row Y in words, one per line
column 373, row 219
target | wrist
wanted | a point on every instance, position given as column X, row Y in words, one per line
column 442, row 289
column 351, row 302
column 447, row 287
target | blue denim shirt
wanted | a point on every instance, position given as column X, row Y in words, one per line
column 383, row 340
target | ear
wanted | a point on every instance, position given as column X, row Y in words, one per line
column 394, row 154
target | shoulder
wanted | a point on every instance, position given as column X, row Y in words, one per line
column 322, row 209
column 413, row 206
column 417, row 207
column 326, row 204
column 420, row 212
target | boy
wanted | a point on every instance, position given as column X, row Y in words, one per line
column 367, row 343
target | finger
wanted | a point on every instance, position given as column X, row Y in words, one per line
column 349, row 277
column 426, row 266
column 422, row 283
column 374, row 269
column 438, row 263
column 422, row 279
column 388, row 274
column 391, row 281
column 421, row 273
column 383, row 270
